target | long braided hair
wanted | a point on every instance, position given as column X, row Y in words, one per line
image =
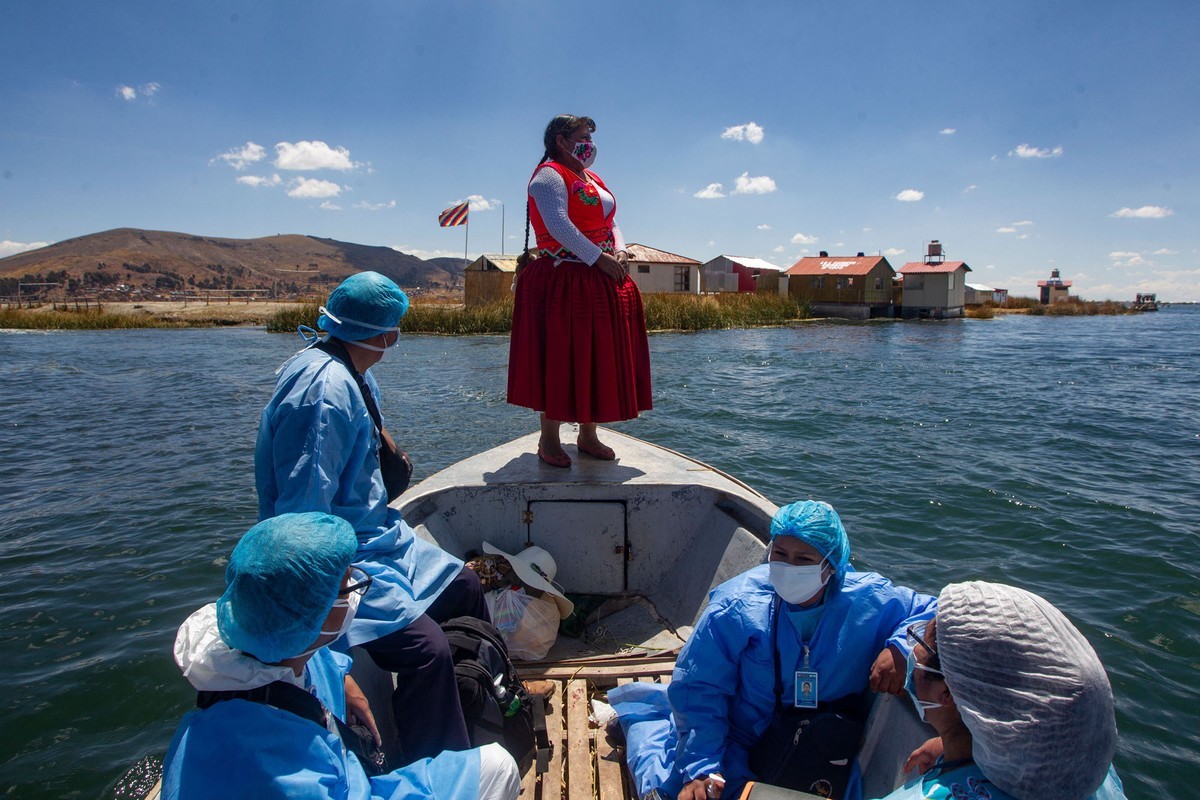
column 562, row 125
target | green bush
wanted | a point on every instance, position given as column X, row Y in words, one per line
column 663, row 312
column 91, row 320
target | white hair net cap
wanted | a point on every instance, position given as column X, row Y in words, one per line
column 1029, row 688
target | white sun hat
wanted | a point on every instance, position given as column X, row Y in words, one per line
column 535, row 567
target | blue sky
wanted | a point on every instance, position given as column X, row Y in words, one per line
column 1024, row 135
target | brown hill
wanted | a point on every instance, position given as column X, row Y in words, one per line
column 139, row 263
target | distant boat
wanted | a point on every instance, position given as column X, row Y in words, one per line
column 1146, row 302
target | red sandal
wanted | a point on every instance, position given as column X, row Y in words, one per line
column 603, row 452
column 563, row 461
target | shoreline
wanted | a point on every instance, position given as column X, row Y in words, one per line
column 264, row 313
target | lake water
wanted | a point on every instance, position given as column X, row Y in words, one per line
column 1062, row 455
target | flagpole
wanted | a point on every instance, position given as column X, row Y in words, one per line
column 466, row 237
column 502, row 229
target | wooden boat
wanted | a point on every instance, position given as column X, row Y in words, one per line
column 653, row 533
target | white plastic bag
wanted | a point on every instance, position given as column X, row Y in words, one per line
column 507, row 607
column 538, row 629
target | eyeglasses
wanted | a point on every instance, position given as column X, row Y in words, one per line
column 360, row 582
column 916, row 636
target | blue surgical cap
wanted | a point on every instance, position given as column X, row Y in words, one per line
column 816, row 524
column 281, row 582
column 364, row 305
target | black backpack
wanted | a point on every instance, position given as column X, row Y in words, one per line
column 494, row 702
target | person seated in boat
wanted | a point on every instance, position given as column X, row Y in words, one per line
column 1020, row 701
column 273, row 699
column 320, row 445
column 806, row 616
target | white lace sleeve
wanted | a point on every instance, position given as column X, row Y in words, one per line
column 618, row 239
column 549, row 191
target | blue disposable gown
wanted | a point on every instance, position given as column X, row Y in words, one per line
column 968, row 783
column 240, row 749
column 722, row 695
column 317, row 450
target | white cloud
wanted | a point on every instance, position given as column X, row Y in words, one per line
column 750, row 132
column 328, row 206
column 1023, row 236
column 312, row 155
column 239, row 157
column 910, row 196
column 129, row 94
column 1022, row 223
column 10, row 248
column 1125, row 258
column 778, row 249
column 311, row 188
column 970, row 188
column 426, row 254
column 757, row 185
column 893, row 252
column 365, row 206
column 804, row 238
column 258, row 181
column 764, row 227
column 1006, row 229
column 948, row 131
column 479, row 203
column 1165, row 252
column 1145, row 212
column 1029, row 151
column 710, row 192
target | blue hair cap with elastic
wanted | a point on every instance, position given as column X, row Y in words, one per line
column 364, row 305
column 815, row 523
column 281, row 582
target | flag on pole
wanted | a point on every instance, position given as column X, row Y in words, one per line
column 455, row 215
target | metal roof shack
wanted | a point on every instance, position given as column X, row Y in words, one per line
column 934, row 289
column 655, row 270
column 853, row 287
column 489, row 278
column 739, row 274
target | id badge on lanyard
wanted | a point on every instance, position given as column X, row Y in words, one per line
column 804, row 692
column 806, row 689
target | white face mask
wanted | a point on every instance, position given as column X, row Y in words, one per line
column 797, row 583
column 366, row 346
column 351, row 605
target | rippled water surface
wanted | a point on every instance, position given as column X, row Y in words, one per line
column 1062, row 455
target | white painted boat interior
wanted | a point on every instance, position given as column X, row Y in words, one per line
column 654, row 531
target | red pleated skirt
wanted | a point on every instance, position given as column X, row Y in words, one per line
column 578, row 350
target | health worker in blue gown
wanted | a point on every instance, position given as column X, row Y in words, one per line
column 1021, row 703
column 291, row 591
column 318, row 449
column 837, row 630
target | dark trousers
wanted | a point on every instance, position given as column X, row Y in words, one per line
column 426, row 706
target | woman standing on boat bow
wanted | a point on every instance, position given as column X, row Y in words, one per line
column 578, row 351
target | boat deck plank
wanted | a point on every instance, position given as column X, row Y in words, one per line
column 584, row 763
column 580, row 783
